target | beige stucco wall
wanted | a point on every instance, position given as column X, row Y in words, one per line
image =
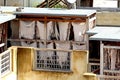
column 108, row 18
column 26, row 72
column 23, row 67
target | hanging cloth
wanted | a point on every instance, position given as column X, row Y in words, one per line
column 62, row 55
column 63, row 28
column 40, row 30
column 46, row 54
column 55, row 33
column 29, row 44
column 78, row 46
column 27, row 29
column 79, row 30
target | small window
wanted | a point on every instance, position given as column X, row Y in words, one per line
column 5, row 66
column 51, row 60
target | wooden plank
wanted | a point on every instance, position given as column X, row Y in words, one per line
column 82, row 43
column 115, row 47
column 112, row 71
column 101, row 58
column 108, row 77
column 86, row 36
column 47, row 49
column 49, row 19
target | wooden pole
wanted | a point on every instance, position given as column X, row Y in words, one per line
column 101, row 58
column 78, row 3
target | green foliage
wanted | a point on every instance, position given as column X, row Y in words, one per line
column 60, row 6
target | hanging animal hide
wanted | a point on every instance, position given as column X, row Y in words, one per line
column 79, row 30
column 42, row 45
column 49, row 30
column 62, row 56
column 63, row 28
column 27, row 29
column 46, row 54
column 55, row 33
column 29, row 44
column 42, row 53
column 41, row 30
column 77, row 46
column 50, row 53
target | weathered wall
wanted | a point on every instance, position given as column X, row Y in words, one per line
column 25, row 72
column 1, row 2
column 108, row 18
column 22, row 62
column 11, row 3
column 20, row 3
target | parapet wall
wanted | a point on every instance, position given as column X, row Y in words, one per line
column 108, row 18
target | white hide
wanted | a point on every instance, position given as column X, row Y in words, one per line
column 49, row 29
column 41, row 30
column 79, row 30
column 57, row 35
column 34, row 44
column 42, row 45
column 42, row 53
column 77, row 46
column 63, row 28
column 27, row 29
column 45, row 54
column 62, row 55
column 50, row 46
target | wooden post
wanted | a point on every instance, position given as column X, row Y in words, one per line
column 86, row 39
column 45, row 30
column 101, row 58
column 78, row 3
column 118, row 3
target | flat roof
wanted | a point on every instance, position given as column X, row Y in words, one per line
column 8, row 9
column 55, row 12
column 6, row 17
column 101, row 29
column 105, row 33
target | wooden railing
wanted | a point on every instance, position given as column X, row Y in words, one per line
column 5, row 63
column 94, row 67
column 106, row 77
